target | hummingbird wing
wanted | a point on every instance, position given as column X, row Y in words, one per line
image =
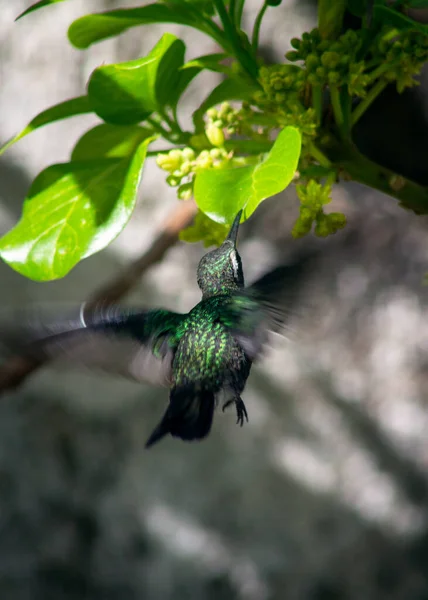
column 266, row 305
column 134, row 343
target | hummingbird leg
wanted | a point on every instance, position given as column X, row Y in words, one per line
column 227, row 404
column 241, row 411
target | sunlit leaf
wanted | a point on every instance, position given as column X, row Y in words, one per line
column 109, row 141
column 211, row 62
column 93, row 28
column 64, row 110
column 72, row 211
column 220, row 194
column 127, row 93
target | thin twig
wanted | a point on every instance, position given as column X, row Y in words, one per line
column 16, row 370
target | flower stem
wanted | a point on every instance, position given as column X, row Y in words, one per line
column 409, row 194
column 337, row 109
column 239, row 9
column 319, row 156
column 173, row 125
column 163, row 151
column 257, row 25
column 247, row 62
column 364, row 104
column 317, row 102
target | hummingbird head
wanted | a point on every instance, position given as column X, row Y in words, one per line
column 220, row 270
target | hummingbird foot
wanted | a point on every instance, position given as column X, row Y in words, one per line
column 241, row 411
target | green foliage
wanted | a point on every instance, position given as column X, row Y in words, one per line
column 330, row 16
column 221, row 193
column 64, row 110
column 332, row 62
column 288, row 121
column 73, row 210
column 36, row 6
column 93, row 28
column 127, row 93
column 205, row 229
column 313, row 197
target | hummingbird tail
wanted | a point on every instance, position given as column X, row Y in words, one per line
column 189, row 415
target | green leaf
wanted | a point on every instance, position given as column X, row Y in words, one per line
column 64, row 110
column 330, row 17
column 206, row 230
column 388, row 16
column 93, row 28
column 127, row 93
column 211, row 62
column 110, row 141
column 190, row 70
column 417, row 3
column 36, row 6
column 204, row 6
column 220, row 194
column 72, row 211
column 229, row 89
column 357, row 7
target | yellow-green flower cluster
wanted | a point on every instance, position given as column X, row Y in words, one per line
column 406, row 55
column 282, row 99
column 224, row 117
column 203, row 228
column 281, row 84
column 331, row 62
column 313, row 197
column 303, row 120
column 182, row 165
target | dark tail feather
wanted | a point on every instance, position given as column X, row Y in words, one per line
column 189, row 415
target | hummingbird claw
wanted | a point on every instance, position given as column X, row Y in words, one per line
column 241, row 412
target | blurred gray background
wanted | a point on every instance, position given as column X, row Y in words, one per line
column 323, row 495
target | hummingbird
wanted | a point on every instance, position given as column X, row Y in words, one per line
column 200, row 356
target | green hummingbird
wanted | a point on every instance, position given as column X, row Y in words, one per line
column 200, row 356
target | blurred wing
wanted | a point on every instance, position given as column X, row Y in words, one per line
column 133, row 343
column 266, row 305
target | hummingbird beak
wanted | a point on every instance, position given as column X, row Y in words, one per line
column 233, row 233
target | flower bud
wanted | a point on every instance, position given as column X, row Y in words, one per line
column 216, row 152
column 185, row 191
column 204, row 160
column 188, row 153
column 172, row 181
column 322, row 227
column 169, row 162
column 306, row 215
column 337, row 221
column 215, row 135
